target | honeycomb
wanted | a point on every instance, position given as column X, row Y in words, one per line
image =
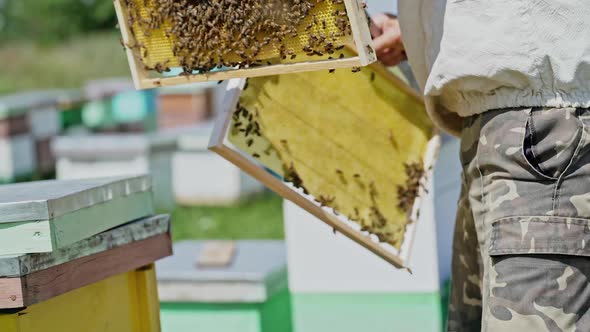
column 353, row 141
column 157, row 47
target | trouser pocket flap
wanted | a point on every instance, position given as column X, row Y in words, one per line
column 540, row 235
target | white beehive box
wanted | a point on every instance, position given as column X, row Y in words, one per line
column 328, row 270
column 201, row 177
column 80, row 157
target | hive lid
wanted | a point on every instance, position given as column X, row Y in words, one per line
column 192, row 88
column 257, row 270
column 112, row 145
column 104, row 88
column 16, row 104
column 197, row 138
column 46, row 200
column 20, row 265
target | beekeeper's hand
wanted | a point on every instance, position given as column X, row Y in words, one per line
column 387, row 39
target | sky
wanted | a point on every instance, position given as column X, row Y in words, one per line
column 376, row 6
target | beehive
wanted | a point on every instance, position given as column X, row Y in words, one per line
column 244, row 39
column 107, row 155
column 245, row 291
column 29, row 279
column 358, row 144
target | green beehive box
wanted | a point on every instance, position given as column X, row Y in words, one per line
column 225, row 287
column 70, row 104
column 44, row 216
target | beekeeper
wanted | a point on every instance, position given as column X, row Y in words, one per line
column 512, row 80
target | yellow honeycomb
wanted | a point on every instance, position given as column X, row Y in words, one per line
column 159, row 46
column 346, row 134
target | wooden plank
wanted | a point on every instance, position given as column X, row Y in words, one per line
column 217, row 254
column 11, row 293
column 360, row 31
column 138, row 72
column 49, row 283
column 148, row 302
column 17, row 266
column 279, row 69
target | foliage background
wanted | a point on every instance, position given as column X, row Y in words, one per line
column 51, row 21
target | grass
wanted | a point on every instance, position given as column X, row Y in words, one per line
column 260, row 217
column 27, row 65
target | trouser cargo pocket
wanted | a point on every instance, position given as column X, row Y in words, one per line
column 539, row 278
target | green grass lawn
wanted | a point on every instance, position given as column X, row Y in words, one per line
column 260, row 217
column 26, row 65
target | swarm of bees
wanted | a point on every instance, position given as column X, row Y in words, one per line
column 407, row 194
column 209, row 34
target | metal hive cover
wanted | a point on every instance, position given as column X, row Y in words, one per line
column 45, row 200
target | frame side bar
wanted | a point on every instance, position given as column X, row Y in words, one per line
column 360, row 32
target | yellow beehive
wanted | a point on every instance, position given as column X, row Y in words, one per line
column 147, row 52
column 343, row 138
column 127, row 302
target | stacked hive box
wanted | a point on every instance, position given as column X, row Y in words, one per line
column 216, row 181
column 185, row 105
column 100, row 155
column 17, row 152
column 225, row 287
column 115, row 107
column 44, row 122
column 78, row 255
column 70, row 104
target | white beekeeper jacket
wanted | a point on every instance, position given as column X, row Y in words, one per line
column 470, row 56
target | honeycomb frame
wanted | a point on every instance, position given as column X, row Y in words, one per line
column 361, row 41
column 255, row 166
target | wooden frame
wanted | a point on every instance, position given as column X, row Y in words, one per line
column 400, row 259
column 360, row 32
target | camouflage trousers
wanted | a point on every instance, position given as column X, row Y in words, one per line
column 522, row 239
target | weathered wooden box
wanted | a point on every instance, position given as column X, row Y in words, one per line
column 201, row 177
column 100, row 155
column 204, row 287
column 104, row 283
column 17, row 146
column 270, row 41
column 185, row 105
column 356, row 150
column 44, row 216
